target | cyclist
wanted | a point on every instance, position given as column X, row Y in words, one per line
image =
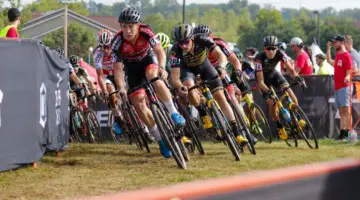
column 188, row 59
column 267, row 75
column 82, row 74
column 104, row 63
column 138, row 48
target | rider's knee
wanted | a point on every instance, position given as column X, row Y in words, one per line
column 152, row 71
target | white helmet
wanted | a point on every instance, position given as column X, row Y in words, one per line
column 105, row 37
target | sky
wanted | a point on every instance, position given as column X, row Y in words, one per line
column 310, row 4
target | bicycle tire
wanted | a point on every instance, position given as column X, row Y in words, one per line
column 165, row 131
column 131, row 131
column 74, row 136
column 225, row 130
column 192, row 130
column 83, row 136
column 135, row 119
column 183, row 150
column 296, row 109
column 240, row 120
column 255, row 107
column 95, row 137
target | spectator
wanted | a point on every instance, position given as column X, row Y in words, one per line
column 323, row 68
column 354, row 54
column 343, row 66
column 10, row 31
column 303, row 64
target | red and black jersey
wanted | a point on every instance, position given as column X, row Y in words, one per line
column 224, row 48
column 127, row 51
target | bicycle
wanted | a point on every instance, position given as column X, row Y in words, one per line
column 239, row 116
column 293, row 119
column 87, row 117
column 254, row 115
column 190, row 128
column 165, row 124
column 217, row 116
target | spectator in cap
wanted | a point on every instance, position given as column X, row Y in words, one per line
column 323, row 69
column 303, row 64
column 342, row 66
column 354, row 54
column 10, row 31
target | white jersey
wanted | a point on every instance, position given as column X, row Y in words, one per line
column 106, row 63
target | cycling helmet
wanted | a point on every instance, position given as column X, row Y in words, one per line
column 60, row 51
column 129, row 15
column 104, row 37
column 164, row 39
column 183, row 32
column 252, row 50
column 270, row 41
column 237, row 53
column 74, row 60
column 202, row 28
column 282, row 46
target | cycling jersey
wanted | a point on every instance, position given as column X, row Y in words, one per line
column 136, row 58
column 128, row 52
column 82, row 74
column 106, row 63
column 224, row 48
column 203, row 44
column 262, row 63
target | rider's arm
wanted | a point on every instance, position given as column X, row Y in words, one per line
column 160, row 53
column 90, row 82
column 101, row 80
column 74, row 78
column 119, row 75
column 290, row 68
column 328, row 54
column 235, row 62
column 175, row 78
column 220, row 56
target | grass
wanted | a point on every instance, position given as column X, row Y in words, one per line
column 85, row 170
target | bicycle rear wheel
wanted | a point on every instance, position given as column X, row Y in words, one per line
column 305, row 131
column 289, row 131
column 167, row 134
column 139, row 131
column 225, row 129
column 260, row 123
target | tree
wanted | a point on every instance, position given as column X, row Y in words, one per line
column 81, row 39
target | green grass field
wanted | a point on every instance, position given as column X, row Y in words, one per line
column 85, row 170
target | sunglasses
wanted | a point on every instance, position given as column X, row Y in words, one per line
column 270, row 48
column 184, row 42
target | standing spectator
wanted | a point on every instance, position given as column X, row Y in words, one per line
column 343, row 66
column 354, row 54
column 10, row 31
column 303, row 64
column 323, row 68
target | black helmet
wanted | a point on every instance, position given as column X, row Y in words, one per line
column 129, row 15
column 74, row 60
column 183, row 32
column 270, row 41
column 202, row 28
column 13, row 14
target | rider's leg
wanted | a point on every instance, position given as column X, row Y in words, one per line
column 138, row 100
column 152, row 71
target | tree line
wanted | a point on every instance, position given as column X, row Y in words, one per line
column 236, row 21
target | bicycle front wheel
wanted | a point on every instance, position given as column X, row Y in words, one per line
column 260, row 123
column 94, row 126
column 304, row 127
column 226, row 131
column 167, row 134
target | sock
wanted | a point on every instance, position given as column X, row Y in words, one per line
column 155, row 132
column 278, row 124
column 170, row 107
column 201, row 109
column 346, row 132
column 235, row 128
column 342, row 132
